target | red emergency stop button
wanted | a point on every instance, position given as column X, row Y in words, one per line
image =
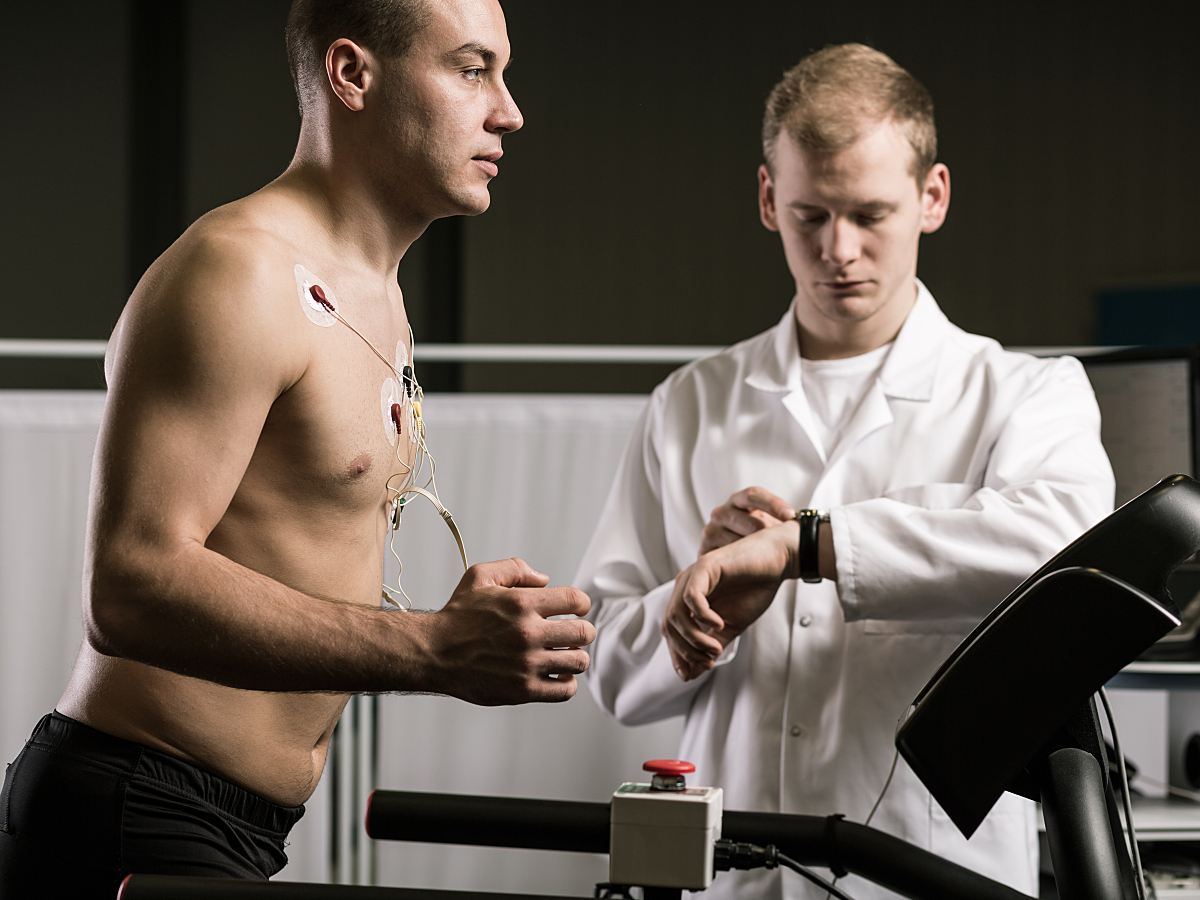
column 668, row 774
column 668, row 766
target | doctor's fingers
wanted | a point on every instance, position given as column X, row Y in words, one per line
column 742, row 521
column 689, row 599
column 760, row 499
column 686, row 659
column 680, row 623
column 715, row 536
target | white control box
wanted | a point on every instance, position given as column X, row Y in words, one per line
column 663, row 838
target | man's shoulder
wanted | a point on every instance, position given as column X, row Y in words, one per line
column 226, row 286
column 723, row 369
column 1009, row 366
column 234, row 243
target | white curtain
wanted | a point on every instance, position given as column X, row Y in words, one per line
column 523, row 475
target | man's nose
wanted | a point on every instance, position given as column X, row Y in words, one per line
column 505, row 116
column 840, row 243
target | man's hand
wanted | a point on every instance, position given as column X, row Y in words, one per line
column 723, row 592
column 746, row 512
column 494, row 642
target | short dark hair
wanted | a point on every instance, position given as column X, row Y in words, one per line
column 825, row 101
column 385, row 27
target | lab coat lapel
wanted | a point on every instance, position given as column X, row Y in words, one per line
column 872, row 414
column 778, row 372
column 908, row 373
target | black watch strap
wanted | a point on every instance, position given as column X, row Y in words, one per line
column 810, row 535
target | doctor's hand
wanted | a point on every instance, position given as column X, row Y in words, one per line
column 723, row 592
column 746, row 512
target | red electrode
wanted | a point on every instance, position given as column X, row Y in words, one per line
column 319, row 296
column 397, row 417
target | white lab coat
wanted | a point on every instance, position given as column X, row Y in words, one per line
column 964, row 468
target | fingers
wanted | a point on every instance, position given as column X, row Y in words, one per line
column 689, row 625
column 688, row 661
column 761, row 500
column 505, row 573
column 554, row 680
column 571, row 633
column 746, row 512
column 714, row 536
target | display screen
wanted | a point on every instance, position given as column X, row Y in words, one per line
column 1146, row 422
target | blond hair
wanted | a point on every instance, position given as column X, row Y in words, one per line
column 831, row 97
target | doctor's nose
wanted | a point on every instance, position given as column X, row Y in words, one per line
column 840, row 243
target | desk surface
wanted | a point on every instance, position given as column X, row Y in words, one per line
column 1166, row 819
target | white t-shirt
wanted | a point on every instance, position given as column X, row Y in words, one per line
column 835, row 387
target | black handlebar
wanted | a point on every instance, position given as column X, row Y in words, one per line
column 182, row 887
column 584, row 827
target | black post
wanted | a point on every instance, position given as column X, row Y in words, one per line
column 443, row 241
column 157, row 116
column 1078, row 829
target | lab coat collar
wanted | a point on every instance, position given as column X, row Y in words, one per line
column 908, row 373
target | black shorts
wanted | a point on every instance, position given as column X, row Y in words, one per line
column 81, row 809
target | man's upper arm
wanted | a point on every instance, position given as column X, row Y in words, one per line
column 1048, row 480
column 200, row 354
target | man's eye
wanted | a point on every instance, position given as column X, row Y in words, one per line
column 473, row 74
column 870, row 220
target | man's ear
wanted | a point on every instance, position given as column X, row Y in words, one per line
column 766, row 198
column 935, row 198
column 348, row 68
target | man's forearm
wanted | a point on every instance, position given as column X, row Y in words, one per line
column 213, row 619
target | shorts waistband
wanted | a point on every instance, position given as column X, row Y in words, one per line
column 56, row 732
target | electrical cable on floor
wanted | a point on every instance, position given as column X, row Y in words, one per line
column 1139, row 877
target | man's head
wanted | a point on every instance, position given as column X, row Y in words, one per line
column 850, row 182
column 385, row 27
column 830, row 98
column 408, row 94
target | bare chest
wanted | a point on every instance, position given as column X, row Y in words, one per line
column 346, row 430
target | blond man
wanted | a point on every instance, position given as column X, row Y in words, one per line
column 935, row 469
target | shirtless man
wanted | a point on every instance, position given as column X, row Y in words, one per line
column 240, row 497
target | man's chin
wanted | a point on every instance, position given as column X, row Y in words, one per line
column 472, row 204
column 848, row 307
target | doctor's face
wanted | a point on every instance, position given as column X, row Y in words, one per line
column 850, row 223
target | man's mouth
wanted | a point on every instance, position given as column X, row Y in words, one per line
column 843, row 285
column 487, row 162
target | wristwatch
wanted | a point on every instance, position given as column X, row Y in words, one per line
column 810, row 534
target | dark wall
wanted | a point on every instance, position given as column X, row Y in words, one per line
column 625, row 211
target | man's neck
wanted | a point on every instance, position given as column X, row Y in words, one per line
column 368, row 233
column 826, row 338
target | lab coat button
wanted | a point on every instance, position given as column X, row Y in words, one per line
column 805, row 621
column 796, row 730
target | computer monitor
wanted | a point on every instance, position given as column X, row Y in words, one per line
column 1148, row 406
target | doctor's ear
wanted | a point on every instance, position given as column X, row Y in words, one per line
column 766, row 199
column 935, row 198
column 349, row 70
